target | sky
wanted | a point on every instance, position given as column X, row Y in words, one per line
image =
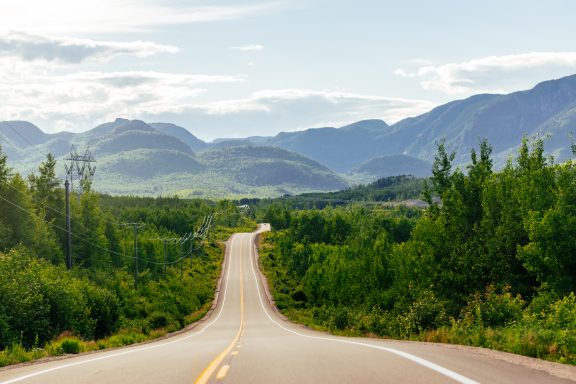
column 241, row 68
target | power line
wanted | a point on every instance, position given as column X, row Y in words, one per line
column 201, row 233
column 83, row 232
column 62, row 229
column 135, row 226
column 22, row 137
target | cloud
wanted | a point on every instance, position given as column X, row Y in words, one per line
column 69, row 50
column 81, row 100
column 494, row 73
column 251, row 47
column 77, row 102
column 271, row 111
column 109, row 16
column 348, row 106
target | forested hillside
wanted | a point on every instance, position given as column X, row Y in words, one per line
column 398, row 190
column 492, row 265
column 46, row 309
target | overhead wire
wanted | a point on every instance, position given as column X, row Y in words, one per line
column 200, row 233
column 5, row 122
column 62, row 229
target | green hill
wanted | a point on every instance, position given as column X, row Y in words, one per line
column 147, row 163
column 267, row 166
column 393, row 165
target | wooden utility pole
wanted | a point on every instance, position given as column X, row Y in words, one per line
column 68, row 226
column 136, row 226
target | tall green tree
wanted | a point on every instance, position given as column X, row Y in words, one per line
column 46, row 191
column 5, row 175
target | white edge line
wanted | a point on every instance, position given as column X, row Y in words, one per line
column 428, row 364
column 137, row 349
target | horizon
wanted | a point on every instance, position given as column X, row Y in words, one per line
column 233, row 69
column 224, row 138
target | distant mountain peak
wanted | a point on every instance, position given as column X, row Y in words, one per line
column 22, row 133
column 369, row 124
column 133, row 125
column 181, row 133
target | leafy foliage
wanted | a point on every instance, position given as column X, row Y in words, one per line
column 47, row 309
column 490, row 264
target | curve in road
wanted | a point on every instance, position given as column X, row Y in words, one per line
column 244, row 340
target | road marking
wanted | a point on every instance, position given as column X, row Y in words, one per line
column 418, row 360
column 209, row 370
column 136, row 348
column 234, row 353
column 222, row 372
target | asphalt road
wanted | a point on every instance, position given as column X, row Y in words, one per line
column 245, row 341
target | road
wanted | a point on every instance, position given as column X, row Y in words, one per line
column 244, row 340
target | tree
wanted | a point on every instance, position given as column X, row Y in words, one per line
column 442, row 168
column 48, row 198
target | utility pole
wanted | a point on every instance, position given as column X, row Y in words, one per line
column 136, row 226
column 80, row 165
column 165, row 255
column 191, row 249
column 68, row 226
column 181, row 259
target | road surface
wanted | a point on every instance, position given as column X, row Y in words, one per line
column 245, row 341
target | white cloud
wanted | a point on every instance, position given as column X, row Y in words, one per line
column 250, row 47
column 271, row 111
column 494, row 73
column 108, row 16
column 342, row 107
column 69, row 50
column 81, row 100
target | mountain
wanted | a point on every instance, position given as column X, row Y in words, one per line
column 134, row 157
column 137, row 157
column 22, row 134
column 183, row 134
column 338, row 148
column 548, row 110
column 267, row 166
column 135, row 135
column 393, row 165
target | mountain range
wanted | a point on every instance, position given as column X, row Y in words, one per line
column 161, row 158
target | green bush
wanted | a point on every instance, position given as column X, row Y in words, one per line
column 159, row 320
column 70, row 345
column 493, row 309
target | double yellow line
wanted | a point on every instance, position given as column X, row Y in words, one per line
column 211, row 368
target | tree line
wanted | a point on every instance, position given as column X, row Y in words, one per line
column 490, row 263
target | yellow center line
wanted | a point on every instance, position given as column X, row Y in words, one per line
column 211, row 368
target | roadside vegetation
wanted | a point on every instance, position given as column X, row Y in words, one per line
column 493, row 265
column 48, row 310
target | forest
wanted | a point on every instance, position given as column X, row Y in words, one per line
column 387, row 189
column 46, row 309
column 491, row 262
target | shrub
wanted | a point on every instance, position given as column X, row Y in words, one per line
column 493, row 309
column 71, row 346
column 159, row 320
